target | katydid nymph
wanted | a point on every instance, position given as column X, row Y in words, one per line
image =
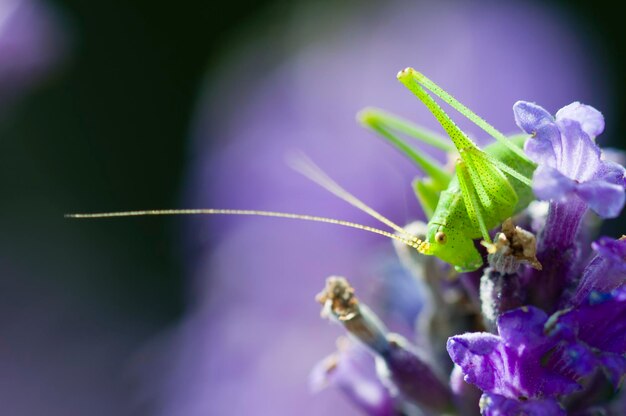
column 486, row 187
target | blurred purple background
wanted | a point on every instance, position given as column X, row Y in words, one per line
column 216, row 315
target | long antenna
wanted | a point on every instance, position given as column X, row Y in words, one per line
column 412, row 241
column 469, row 114
column 305, row 166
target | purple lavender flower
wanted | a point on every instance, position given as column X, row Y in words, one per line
column 573, row 176
column 570, row 163
column 535, row 363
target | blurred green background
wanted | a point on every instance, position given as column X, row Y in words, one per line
column 109, row 131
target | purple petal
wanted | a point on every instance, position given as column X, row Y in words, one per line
column 612, row 172
column 604, row 198
column 472, row 353
column 590, row 119
column 541, row 152
column 522, row 326
column 550, row 184
column 580, row 158
column 536, row 121
column 495, row 405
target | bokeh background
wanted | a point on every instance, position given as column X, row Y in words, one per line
column 150, row 104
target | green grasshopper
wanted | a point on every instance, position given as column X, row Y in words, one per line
column 487, row 187
column 464, row 206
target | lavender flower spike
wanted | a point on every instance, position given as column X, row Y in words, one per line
column 400, row 364
column 570, row 163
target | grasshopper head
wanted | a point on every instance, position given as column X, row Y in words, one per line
column 453, row 247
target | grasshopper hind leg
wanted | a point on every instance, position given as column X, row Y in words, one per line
column 488, row 195
column 392, row 128
column 471, row 200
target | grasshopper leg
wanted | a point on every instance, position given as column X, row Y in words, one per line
column 387, row 125
column 471, row 200
column 371, row 117
column 509, row 170
column 490, row 184
column 411, row 75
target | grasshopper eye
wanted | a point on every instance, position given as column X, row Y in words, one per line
column 441, row 237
